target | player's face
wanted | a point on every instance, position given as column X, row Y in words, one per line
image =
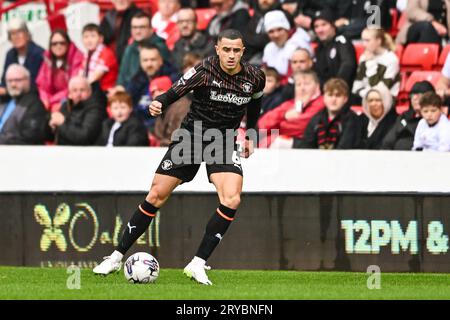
column 431, row 114
column 120, row 111
column 230, row 53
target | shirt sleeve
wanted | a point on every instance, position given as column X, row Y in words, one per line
column 193, row 78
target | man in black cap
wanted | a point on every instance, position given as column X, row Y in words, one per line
column 401, row 135
column 335, row 54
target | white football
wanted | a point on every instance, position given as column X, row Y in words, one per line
column 141, row 267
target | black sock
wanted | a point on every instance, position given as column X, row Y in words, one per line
column 215, row 230
column 137, row 225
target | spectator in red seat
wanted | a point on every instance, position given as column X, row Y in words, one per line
column 141, row 31
column 378, row 63
column 61, row 62
column 378, row 116
column 273, row 94
column 123, row 128
column 301, row 60
column 401, row 135
column 173, row 115
column 336, row 126
column 433, row 130
column 428, row 21
column 255, row 35
column 22, row 115
column 116, row 26
column 443, row 85
column 292, row 117
column 99, row 64
column 335, row 54
column 278, row 51
column 164, row 22
column 24, row 51
column 191, row 40
column 80, row 120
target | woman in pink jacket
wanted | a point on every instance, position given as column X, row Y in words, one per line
column 61, row 62
column 292, row 116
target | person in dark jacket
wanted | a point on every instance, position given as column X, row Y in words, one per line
column 80, row 119
column 378, row 116
column 401, row 135
column 24, row 51
column 335, row 54
column 116, row 26
column 123, row 128
column 23, row 116
column 336, row 126
column 152, row 66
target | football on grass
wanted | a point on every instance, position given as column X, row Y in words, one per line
column 141, row 267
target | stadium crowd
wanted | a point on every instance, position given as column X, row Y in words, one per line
column 336, row 77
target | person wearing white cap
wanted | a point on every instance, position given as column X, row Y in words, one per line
column 24, row 51
column 281, row 46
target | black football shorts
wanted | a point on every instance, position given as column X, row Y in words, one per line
column 182, row 161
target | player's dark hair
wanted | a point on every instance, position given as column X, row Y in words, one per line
column 430, row 98
column 231, row 34
column 92, row 27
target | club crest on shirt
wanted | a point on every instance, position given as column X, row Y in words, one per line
column 167, row 165
column 189, row 73
column 247, row 87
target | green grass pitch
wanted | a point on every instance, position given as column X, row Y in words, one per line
column 48, row 283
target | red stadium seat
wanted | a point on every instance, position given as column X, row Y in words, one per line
column 357, row 109
column 359, row 49
column 419, row 56
column 416, row 76
column 399, row 51
column 401, row 108
column 442, row 57
column 394, row 22
column 204, row 15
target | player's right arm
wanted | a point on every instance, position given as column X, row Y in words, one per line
column 193, row 78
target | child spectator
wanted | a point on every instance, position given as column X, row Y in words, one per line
column 61, row 62
column 401, row 135
column 433, row 131
column 378, row 63
column 272, row 91
column 99, row 62
column 378, row 116
column 336, row 126
column 123, row 128
column 292, row 117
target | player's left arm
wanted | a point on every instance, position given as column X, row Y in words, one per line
column 253, row 112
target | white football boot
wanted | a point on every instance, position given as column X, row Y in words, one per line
column 112, row 263
column 196, row 271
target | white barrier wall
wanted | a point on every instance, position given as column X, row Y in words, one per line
column 99, row 169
